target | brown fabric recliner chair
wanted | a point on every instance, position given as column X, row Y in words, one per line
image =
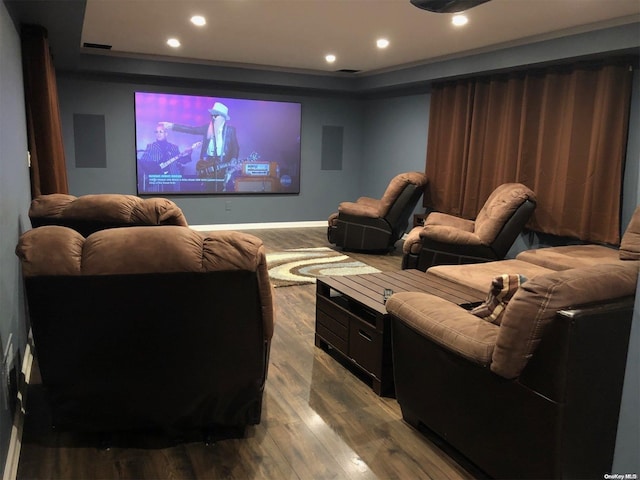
column 143, row 328
column 90, row 213
column 371, row 224
column 535, row 394
column 446, row 239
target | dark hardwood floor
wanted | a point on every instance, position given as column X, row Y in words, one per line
column 319, row 421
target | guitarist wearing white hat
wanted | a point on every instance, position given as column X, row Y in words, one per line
column 220, row 147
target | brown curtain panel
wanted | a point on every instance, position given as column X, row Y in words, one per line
column 44, row 130
column 562, row 132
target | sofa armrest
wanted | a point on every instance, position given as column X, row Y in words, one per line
column 413, row 242
column 538, row 300
column 446, row 324
column 372, row 202
column 358, row 209
column 444, row 219
column 450, row 235
column 579, row 342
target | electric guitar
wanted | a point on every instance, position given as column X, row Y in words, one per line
column 208, row 168
column 166, row 163
column 160, row 167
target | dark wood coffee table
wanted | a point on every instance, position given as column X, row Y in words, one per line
column 351, row 317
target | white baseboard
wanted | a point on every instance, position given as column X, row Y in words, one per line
column 257, row 226
column 15, row 443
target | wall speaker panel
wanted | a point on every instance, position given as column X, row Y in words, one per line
column 331, row 148
column 89, row 141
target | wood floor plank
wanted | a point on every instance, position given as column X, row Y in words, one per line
column 320, row 420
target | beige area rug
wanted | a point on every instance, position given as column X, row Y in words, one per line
column 300, row 266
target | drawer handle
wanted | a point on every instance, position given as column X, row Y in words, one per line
column 365, row 335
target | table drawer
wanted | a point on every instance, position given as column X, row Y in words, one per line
column 332, row 309
column 331, row 331
column 365, row 346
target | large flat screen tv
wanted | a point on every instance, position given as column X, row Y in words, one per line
column 188, row 144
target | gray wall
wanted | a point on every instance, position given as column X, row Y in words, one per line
column 319, row 190
column 14, row 203
column 394, row 139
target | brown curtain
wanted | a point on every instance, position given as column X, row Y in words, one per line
column 44, row 130
column 562, row 132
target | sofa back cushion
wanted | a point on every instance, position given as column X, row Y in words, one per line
column 630, row 244
column 90, row 213
column 538, row 300
column 395, row 188
column 499, row 207
column 52, row 250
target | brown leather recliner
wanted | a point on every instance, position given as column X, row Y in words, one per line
column 446, row 239
column 90, row 213
column 371, row 224
column 149, row 328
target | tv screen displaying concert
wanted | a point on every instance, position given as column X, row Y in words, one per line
column 188, row 144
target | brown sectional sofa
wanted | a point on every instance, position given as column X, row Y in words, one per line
column 537, row 393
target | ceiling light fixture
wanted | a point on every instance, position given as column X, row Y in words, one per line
column 330, row 58
column 173, row 42
column 382, row 43
column 199, row 20
column 459, row 20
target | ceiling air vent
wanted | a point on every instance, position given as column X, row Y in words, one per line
column 347, row 70
column 96, row 45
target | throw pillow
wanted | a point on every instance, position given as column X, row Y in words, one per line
column 502, row 289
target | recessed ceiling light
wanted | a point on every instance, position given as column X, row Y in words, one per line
column 330, row 58
column 459, row 20
column 173, row 42
column 198, row 20
column 382, row 43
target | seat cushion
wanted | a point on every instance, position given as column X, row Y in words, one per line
column 570, row 256
column 479, row 275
